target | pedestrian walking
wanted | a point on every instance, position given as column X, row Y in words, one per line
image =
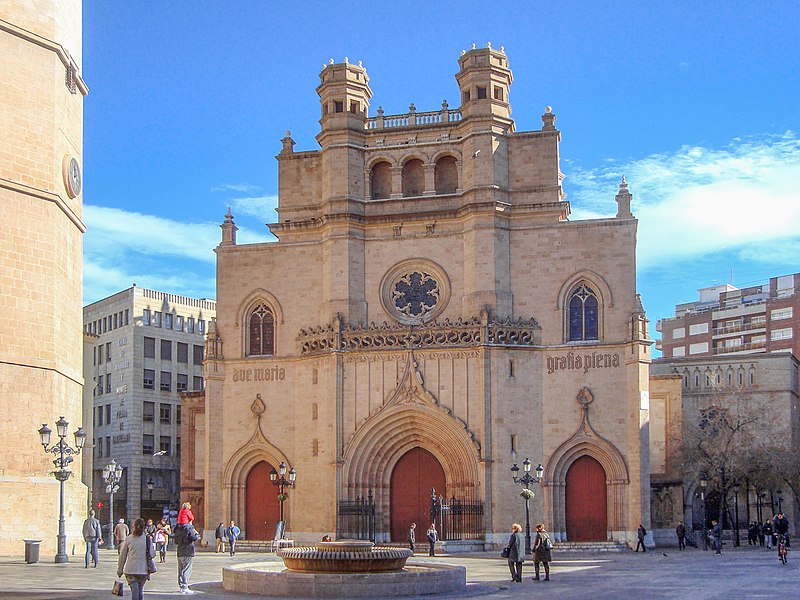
column 752, row 534
column 160, row 539
column 768, row 533
column 542, row 552
column 166, row 530
column 232, row 533
column 185, row 537
column 433, row 537
column 640, row 534
column 760, row 534
column 219, row 534
column 516, row 552
column 680, row 531
column 716, row 536
column 121, row 532
column 412, row 536
column 92, row 535
column 132, row 560
column 149, row 528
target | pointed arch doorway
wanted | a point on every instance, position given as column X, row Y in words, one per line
column 262, row 506
column 414, row 475
column 586, row 504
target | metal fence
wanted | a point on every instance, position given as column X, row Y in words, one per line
column 356, row 518
column 457, row 519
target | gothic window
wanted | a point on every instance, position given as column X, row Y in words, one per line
column 381, row 180
column 446, row 175
column 261, row 331
column 583, row 314
column 415, row 294
column 413, row 178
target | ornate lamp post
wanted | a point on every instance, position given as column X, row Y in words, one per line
column 112, row 475
column 703, row 484
column 63, row 452
column 279, row 478
column 150, row 486
column 527, row 493
column 736, row 511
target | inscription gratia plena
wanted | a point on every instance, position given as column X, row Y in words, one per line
column 273, row 374
column 572, row 361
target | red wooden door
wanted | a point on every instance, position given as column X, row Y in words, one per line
column 262, row 505
column 413, row 477
column 586, row 501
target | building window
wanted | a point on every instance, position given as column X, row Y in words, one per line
column 178, row 414
column 108, row 414
column 481, row 92
column 197, row 355
column 100, row 354
column 783, row 313
column 181, row 382
column 197, row 384
column 166, row 349
column 201, row 326
column 165, row 445
column 166, row 381
column 178, row 447
column 156, row 319
column 413, row 178
column 99, row 447
column 780, row 334
column 183, row 353
column 149, row 347
column 99, row 417
column 700, row 348
column 465, row 97
column 381, row 180
column 100, row 386
column 165, row 413
column 168, row 318
column 583, row 314
column 698, row 328
column 148, row 442
column 446, row 175
column 498, row 93
column 148, row 412
column 179, row 323
column 108, row 351
column 679, row 351
column 149, row 379
column 262, row 332
column 126, row 316
column 338, row 106
column 146, row 316
column 678, row 333
column 190, row 325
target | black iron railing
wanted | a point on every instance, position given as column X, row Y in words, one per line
column 356, row 518
column 457, row 519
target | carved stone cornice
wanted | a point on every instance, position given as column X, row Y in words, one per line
column 341, row 337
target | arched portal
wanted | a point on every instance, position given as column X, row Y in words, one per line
column 585, row 499
column 413, row 477
column 262, row 507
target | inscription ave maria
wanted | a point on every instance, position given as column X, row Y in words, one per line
column 273, row 374
column 573, row 362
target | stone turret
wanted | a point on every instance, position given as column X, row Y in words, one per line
column 484, row 80
column 344, row 95
column 229, row 230
column 623, row 199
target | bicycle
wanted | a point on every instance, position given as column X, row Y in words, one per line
column 782, row 548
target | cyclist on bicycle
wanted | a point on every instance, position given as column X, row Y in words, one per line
column 781, row 527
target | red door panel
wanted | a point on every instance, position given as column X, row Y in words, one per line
column 586, row 501
column 413, row 477
column 262, row 505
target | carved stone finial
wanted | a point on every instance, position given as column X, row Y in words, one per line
column 258, row 407
column 624, row 199
column 548, row 119
column 585, row 397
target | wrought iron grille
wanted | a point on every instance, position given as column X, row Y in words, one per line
column 457, row 519
column 356, row 518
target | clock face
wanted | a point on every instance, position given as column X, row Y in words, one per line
column 74, row 177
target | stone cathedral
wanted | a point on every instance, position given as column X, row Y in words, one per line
column 428, row 318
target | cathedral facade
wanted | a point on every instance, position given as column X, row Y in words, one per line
column 428, row 319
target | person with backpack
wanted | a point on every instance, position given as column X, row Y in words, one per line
column 542, row 547
column 92, row 535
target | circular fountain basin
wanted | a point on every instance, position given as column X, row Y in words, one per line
column 345, row 556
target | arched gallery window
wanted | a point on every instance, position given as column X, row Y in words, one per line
column 413, row 178
column 261, row 332
column 381, row 180
column 446, row 175
column 583, row 314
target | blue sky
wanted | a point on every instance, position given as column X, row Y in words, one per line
column 695, row 102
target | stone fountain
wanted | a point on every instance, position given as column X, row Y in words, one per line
column 344, row 569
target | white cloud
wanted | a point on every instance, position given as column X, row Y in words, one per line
column 698, row 201
column 260, row 207
column 246, row 188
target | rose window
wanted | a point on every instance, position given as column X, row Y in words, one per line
column 415, row 294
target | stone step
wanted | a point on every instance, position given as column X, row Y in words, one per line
column 590, row 547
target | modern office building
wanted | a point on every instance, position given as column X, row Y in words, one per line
column 728, row 320
column 41, row 348
column 148, row 348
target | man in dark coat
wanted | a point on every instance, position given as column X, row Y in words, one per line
column 716, row 535
column 516, row 552
column 185, row 537
column 640, row 534
column 680, row 531
column 781, row 527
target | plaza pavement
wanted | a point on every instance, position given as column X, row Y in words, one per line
column 658, row 574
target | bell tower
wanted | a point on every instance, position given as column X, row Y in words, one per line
column 344, row 95
column 484, row 80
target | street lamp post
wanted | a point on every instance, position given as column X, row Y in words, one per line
column 279, row 478
column 150, row 486
column 780, row 500
column 527, row 493
column 736, row 512
column 703, row 484
column 112, row 475
column 63, row 452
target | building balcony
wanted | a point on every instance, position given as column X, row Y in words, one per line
column 738, row 327
column 750, row 347
column 413, row 119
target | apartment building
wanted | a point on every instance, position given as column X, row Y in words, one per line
column 148, row 349
column 728, row 320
